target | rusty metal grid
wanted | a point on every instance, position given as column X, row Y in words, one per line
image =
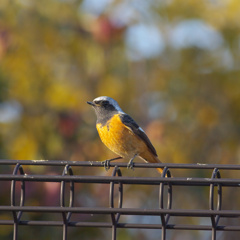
column 215, row 212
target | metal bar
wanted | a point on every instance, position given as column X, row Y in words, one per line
column 115, row 217
column 17, row 216
column 119, row 164
column 124, row 211
column 164, row 219
column 124, row 180
column 165, row 213
column 66, row 216
column 121, row 225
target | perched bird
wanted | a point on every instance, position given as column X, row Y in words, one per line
column 121, row 134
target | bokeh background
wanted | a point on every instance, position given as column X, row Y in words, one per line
column 173, row 65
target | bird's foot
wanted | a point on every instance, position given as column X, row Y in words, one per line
column 131, row 163
column 106, row 163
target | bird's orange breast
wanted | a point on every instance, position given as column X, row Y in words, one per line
column 119, row 138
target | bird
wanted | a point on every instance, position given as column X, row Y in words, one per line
column 121, row 134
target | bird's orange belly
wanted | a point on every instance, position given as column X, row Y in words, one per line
column 118, row 138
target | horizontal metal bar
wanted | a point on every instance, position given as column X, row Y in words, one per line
column 202, row 227
column 120, row 164
column 121, row 225
column 124, row 180
column 57, row 223
column 124, row 211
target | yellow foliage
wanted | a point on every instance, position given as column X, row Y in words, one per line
column 63, row 96
column 24, row 147
column 207, row 116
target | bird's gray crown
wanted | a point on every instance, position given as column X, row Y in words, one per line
column 110, row 100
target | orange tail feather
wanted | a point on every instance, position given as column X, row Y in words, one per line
column 160, row 170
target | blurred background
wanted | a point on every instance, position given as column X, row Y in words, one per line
column 174, row 66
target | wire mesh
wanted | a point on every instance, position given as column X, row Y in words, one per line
column 20, row 176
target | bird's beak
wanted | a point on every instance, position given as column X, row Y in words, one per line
column 91, row 103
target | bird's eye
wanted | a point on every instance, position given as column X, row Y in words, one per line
column 101, row 102
column 104, row 102
column 97, row 102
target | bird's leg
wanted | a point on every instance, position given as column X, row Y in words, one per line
column 131, row 163
column 106, row 162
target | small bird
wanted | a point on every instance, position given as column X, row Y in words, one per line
column 121, row 134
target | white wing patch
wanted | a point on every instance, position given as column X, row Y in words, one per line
column 141, row 129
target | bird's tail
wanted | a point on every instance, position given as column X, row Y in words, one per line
column 149, row 157
column 160, row 170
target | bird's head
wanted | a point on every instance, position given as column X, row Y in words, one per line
column 105, row 106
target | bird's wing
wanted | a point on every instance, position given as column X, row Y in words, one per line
column 133, row 126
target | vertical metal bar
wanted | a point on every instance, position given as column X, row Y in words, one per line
column 161, row 206
column 111, row 201
column 164, row 232
column 215, row 219
column 114, row 232
column 165, row 219
column 66, row 216
column 17, row 216
column 115, row 217
column 15, row 231
column 214, row 233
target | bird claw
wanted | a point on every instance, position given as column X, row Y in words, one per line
column 130, row 165
column 106, row 164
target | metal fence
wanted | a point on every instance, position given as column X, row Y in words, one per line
column 165, row 211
